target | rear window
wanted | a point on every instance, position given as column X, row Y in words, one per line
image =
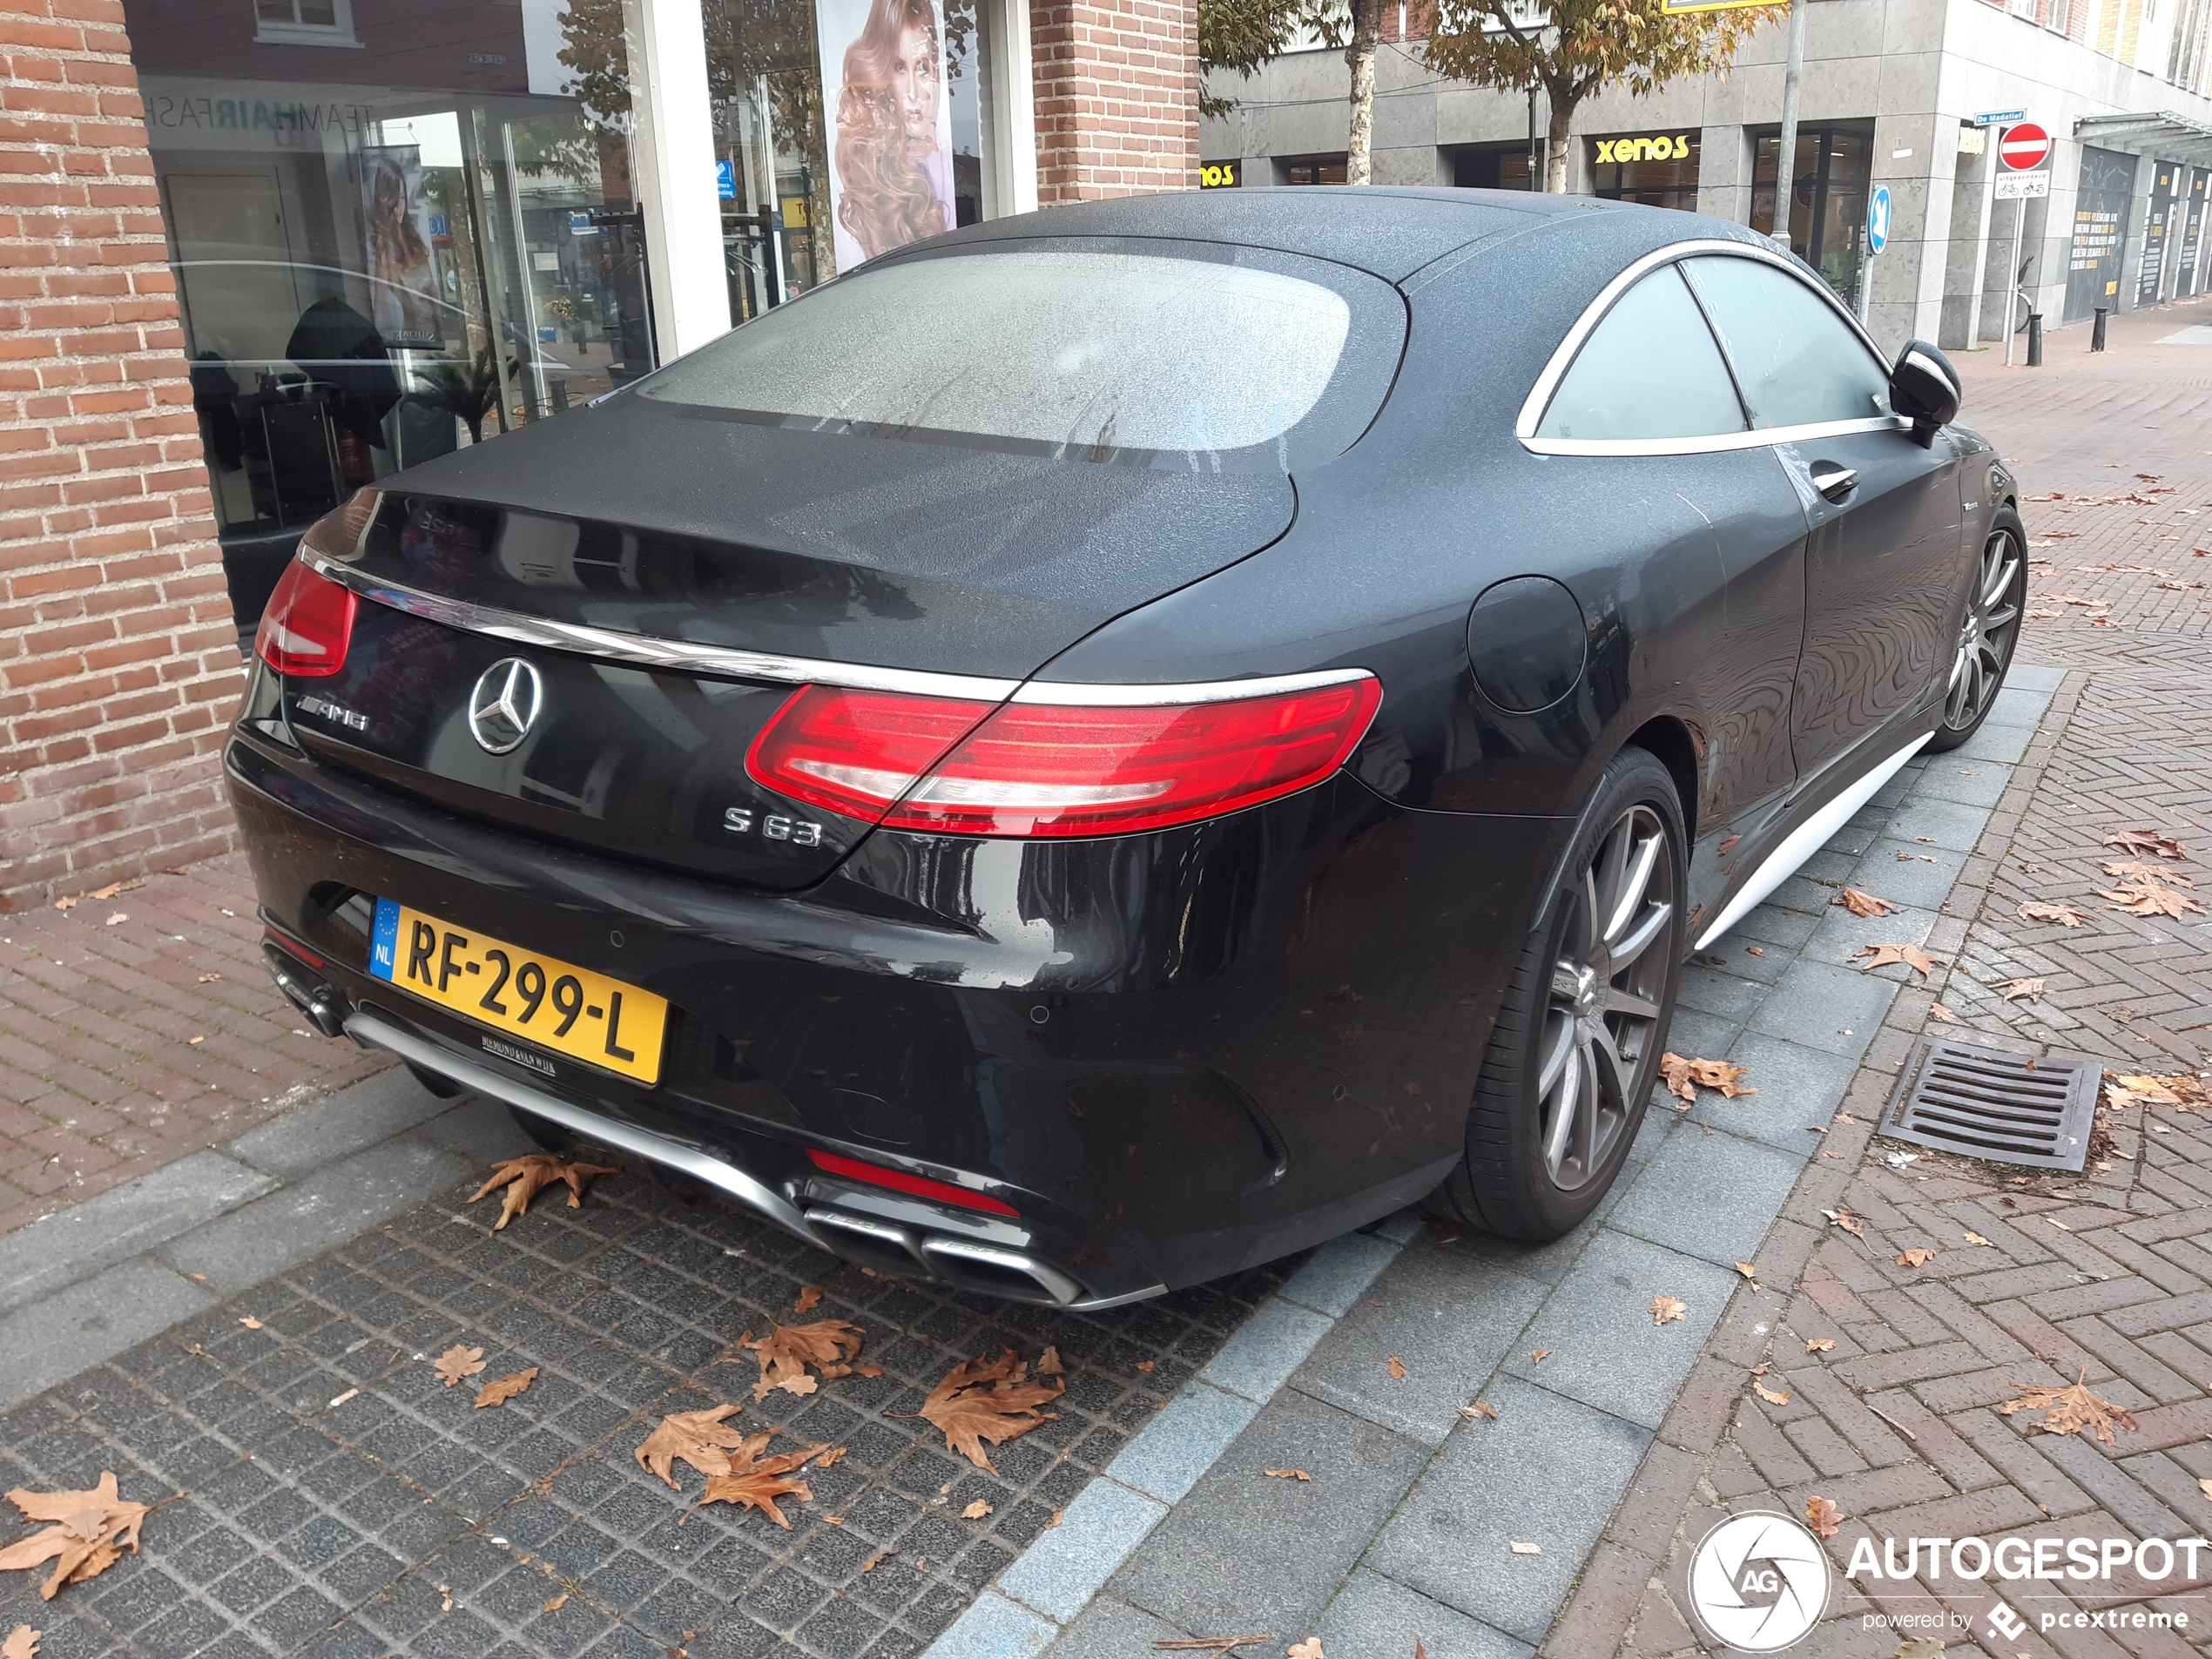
column 1094, row 352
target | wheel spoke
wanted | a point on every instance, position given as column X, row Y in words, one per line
column 1614, row 1073
column 1997, row 575
column 1556, row 1058
column 1589, row 1103
column 1609, row 872
column 1628, row 1002
column 1636, row 881
column 1638, row 940
column 2000, row 618
column 1565, row 1104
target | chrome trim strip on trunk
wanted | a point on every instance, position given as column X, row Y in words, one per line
column 373, row 1030
column 691, row 658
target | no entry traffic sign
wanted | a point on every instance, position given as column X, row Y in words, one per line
column 2024, row 147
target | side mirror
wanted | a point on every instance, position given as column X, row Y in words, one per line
column 1924, row 388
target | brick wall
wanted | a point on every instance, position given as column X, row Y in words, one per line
column 1118, row 97
column 118, row 659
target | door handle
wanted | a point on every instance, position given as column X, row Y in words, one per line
column 1832, row 480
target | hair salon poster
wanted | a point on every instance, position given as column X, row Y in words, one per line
column 890, row 124
column 402, row 285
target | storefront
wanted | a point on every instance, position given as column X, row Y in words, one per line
column 1493, row 166
column 1658, row 169
column 1828, row 183
column 400, row 229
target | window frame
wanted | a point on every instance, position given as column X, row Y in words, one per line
column 339, row 32
column 1562, row 358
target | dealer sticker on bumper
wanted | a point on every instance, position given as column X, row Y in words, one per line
column 553, row 1005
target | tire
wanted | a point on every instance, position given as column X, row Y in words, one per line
column 550, row 1135
column 1525, row 1175
column 1988, row 635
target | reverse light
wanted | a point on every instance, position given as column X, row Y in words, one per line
column 307, row 624
column 920, row 1186
column 1062, row 770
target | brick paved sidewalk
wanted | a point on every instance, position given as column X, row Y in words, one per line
column 2035, row 1280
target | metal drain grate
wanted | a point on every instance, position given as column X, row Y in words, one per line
column 1985, row 1103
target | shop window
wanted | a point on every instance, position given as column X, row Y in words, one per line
column 1318, row 170
column 1830, row 180
column 1659, row 170
column 304, row 23
column 1492, row 168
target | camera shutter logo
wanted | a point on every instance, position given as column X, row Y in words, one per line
column 1759, row 1582
column 505, row 704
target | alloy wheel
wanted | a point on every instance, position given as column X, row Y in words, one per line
column 1602, row 1019
column 1987, row 637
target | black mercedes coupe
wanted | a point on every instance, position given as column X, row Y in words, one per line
column 1118, row 743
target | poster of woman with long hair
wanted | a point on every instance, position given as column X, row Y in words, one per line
column 401, row 286
column 891, row 129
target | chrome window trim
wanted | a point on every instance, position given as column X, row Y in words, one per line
column 1562, row 358
column 607, row 644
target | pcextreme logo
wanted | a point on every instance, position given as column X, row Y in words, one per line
column 1760, row 1582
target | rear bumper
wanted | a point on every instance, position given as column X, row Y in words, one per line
column 1175, row 1055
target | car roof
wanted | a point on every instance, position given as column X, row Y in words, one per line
column 1391, row 231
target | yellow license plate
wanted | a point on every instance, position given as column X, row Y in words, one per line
column 550, row 1004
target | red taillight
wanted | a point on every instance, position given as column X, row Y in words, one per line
column 1038, row 769
column 307, row 624
column 920, row 1185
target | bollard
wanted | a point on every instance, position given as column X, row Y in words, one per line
column 2035, row 339
column 2097, row 331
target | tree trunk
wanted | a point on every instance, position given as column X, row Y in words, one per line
column 1366, row 30
column 1555, row 149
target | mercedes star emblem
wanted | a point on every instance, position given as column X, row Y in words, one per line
column 505, row 704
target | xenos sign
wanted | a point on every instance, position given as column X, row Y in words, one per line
column 1659, row 149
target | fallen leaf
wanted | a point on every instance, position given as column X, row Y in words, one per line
column 1912, row 955
column 1287, row 1474
column 700, row 1438
column 457, row 1362
column 2128, row 840
column 975, row 1511
column 446, row 1591
column 117, row 916
column 2065, row 914
column 810, row 1297
column 2149, row 901
column 2133, row 870
column 1915, row 1258
column 499, row 1393
column 1976, row 1238
column 1863, row 904
column 1849, row 1221
column 1145, row 1365
column 2067, row 1411
column 1397, row 1368
column 557, row 1603
column 250, row 1322
column 64, row 904
column 1664, row 1308
column 755, row 1482
column 1049, row 1362
column 1480, row 1412
column 1747, row 1269
column 830, row 1345
column 524, row 1177
column 1773, row 1397
column 827, row 1455
column 22, row 1644
column 1309, row 1649
column 1753, row 950
column 1540, row 1356
column 1824, row 1516
column 2014, row 989
column 1528, row 1549
column 982, row 1401
column 92, row 1529
column 877, row 1560
column 1819, row 1344
column 209, row 979
column 2205, row 1487
column 1684, row 1077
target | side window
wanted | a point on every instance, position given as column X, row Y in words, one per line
column 1797, row 361
column 1650, row 369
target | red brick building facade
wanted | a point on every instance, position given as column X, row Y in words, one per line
column 1117, row 97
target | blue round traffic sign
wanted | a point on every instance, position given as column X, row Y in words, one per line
column 1877, row 219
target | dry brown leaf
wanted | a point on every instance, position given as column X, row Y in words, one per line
column 1528, row 1549
column 2205, row 1487
column 2014, row 989
column 446, row 1591
column 986, row 1401
column 810, row 1298
column 1309, row 1649
column 1048, row 1364
column 557, row 1603
column 499, row 1393
column 1848, row 1221
column 1863, row 904
column 1397, row 1368
column 525, row 1178
column 1819, row 1344
column 1747, row 1270
column 2069, row 1410
column 2065, row 914
column 1684, row 1077
column 975, row 1511
column 91, row 1527
column 827, row 1455
column 877, row 1560
column 830, row 1345
column 22, row 1644
column 1912, row 955
column 700, row 1438
column 1664, row 1308
column 755, row 1482
column 1943, row 1014
column 1772, row 1396
column 1916, row 1257
column 2128, row 840
column 209, row 979
column 1540, row 1356
column 1145, row 1365
column 1976, row 1238
column 1482, row 1412
column 2185, row 1091
column 2150, row 901
column 1824, row 1516
column 2138, row 873
column 458, row 1362
column 250, row 1322
column 1287, row 1474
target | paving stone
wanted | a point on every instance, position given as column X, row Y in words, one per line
column 1708, row 1194
column 1374, row 1614
column 1111, row 1629
column 323, row 1131
column 51, row 1340
column 1796, row 1086
column 1825, row 1007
